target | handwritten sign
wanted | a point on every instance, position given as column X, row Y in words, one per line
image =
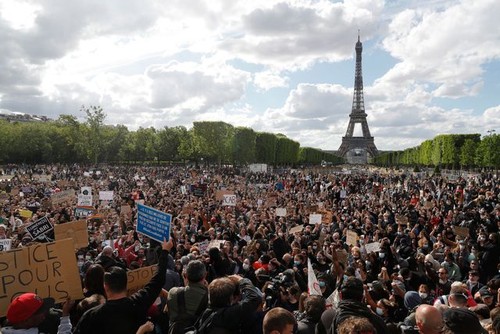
column 296, row 229
column 229, row 200
column 351, row 238
column 215, row 244
column 315, row 218
column 372, row 247
column 48, row 269
column 153, row 223
column 280, row 212
column 41, row 227
column 76, row 231
column 62, row 196
column 137, row 279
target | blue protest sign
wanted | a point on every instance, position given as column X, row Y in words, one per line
column 153, row 223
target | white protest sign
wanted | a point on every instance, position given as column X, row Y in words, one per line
column 5, row 244
column 315, row 218
column 106, row 195
column 229, row 200
column 84, row 200
column 86, row 190
column 281, row 212
column 372, row 247
column 343, row 193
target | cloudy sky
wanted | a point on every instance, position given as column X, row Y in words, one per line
column 429, row 67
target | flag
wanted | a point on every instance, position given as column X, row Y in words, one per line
column 312, row 281
column 333, row 299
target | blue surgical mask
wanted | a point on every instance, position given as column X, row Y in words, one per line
column 297, row 263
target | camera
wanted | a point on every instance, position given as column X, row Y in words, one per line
column 274, row 288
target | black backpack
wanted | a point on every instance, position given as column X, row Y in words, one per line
column 185, row 322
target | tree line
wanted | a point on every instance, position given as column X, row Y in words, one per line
column 66, row 140
column 448, row 151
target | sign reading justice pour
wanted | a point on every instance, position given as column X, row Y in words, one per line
column 153, row 223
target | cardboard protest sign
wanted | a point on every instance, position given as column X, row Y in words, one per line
column 219, row 194
column 296, row 229
column 62, row 196
column 76, row 231
column 106, row 195
column 327, row 217
column 351, row 238
column 48, row 269
column 5, row 245
column 372, row 247
column 153, row 223
column 461, row 231
column 315, row 218
column 41, row 227
column 280, row 212
column 137, row 279
column 229, row 200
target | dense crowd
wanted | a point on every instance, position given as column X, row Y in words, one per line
column 391, row 252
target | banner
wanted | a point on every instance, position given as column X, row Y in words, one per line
column 62, row 196
column 153, row 223
column 76, row 231
column 81, row 212
column 106, row 195
column 461, row 231
column 49, row 270
column 5, row 245
column 312, row 281
column 41, row 227
column 137, row 279
column 280, row 212
column 229, row 200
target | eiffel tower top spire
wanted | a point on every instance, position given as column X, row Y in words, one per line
column 358, row 102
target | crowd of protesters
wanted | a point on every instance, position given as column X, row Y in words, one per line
column 394, row 252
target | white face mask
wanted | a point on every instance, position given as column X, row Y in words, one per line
column 442, row 281
column 246, row 266
column 380, row 311
column 423, row 295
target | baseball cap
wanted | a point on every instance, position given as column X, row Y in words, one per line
column 26, row 305
column 461, row 320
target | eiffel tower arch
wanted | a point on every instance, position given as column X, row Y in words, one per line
column 358, row 149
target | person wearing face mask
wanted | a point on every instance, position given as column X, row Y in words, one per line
column 247, row 271
column 425, row 295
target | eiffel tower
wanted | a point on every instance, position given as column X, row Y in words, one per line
column 356, row 149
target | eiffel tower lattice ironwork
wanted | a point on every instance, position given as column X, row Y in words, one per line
column 358, row 115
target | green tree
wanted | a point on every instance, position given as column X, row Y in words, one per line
column 95, row 123
column 468, row 153
column 265, row 147
column 243, row 146
column 213, row 140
